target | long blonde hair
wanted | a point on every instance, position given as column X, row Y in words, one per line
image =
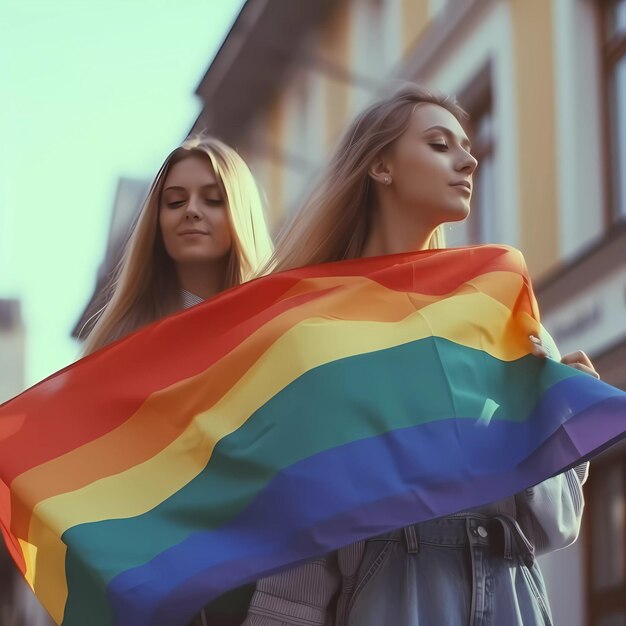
column 145, row 286
column 333, row 222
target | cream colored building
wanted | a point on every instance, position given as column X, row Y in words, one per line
column 545, row 83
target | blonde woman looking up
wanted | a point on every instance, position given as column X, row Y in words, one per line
column 403, row 168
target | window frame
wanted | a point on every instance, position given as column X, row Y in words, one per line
column 613, row 49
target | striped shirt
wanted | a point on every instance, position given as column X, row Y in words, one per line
column 190, row 299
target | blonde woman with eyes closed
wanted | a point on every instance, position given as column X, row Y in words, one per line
column 402, row 169
column 201, row 230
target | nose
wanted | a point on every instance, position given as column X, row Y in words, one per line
column 192, row 213
column 467, row 163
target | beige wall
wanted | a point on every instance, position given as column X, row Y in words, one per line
column 415, row 18
column 335, row 46
column 535, row 91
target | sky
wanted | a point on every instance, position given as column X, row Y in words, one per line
column 90, row 91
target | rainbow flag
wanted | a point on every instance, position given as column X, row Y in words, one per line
column 281, row 420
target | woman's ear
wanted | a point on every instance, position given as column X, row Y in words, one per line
column 379, row 171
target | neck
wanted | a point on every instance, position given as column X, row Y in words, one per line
column 202, row 279
column 395, row 229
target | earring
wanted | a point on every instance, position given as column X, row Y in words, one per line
column 387, row 180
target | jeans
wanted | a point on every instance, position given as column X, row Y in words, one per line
column 461, row 571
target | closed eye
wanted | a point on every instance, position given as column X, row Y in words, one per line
column 440, row 147
column 176, row 204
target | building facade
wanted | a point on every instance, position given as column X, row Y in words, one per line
column 129, row 197
column 545, row 84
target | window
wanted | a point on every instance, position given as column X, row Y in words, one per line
column 369, row 54
column 615, row 73
column 436, row 7
column 606, row 519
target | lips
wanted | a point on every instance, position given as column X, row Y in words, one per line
column 193, row 231
column 462, row 183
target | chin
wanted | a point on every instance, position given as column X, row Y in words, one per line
column 195, row 257
column 455, row 214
